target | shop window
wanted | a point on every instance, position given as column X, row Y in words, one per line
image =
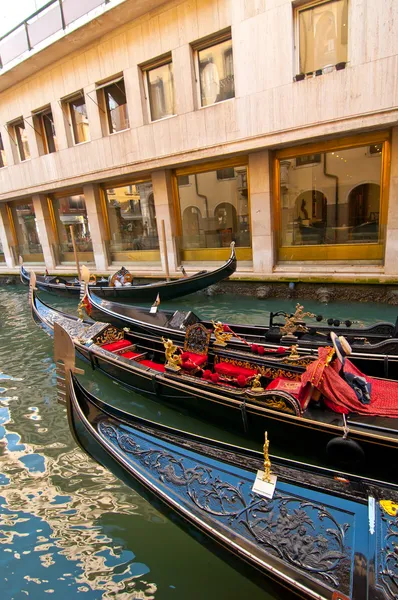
column 3, row 159
column 323, row 31
column 212, row 216
column 113, row 96
column 26, row 231
column 132, row 221
column 329, row 205
column 79, row 119
column 70, row 211
column 21, row 140
column 159, row 87
column 216, row 69
column 228, row 173
column 183, row 180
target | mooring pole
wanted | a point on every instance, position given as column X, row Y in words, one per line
column 166, row 259
column 72, row 235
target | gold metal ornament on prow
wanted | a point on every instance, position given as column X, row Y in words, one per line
column 267, row 462
column 173, row 360
column 221, row 336
column 294, row 355
column 295, row 322
column 256, row 384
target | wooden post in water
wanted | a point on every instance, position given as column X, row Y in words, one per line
column 166, row 259
column 72, row 235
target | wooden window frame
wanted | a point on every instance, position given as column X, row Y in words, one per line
column 165, row 59
column 343, row 251
column 209, row 254
column 300, row 7
column 68, row 101
column 203, row 44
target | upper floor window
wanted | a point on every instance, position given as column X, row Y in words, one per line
column 21, row 140
column 3, row 160
column 116, row 105
column 159, row 85
column 323, row 32
column 79, row 119
column 216, row 70
column 43, row 123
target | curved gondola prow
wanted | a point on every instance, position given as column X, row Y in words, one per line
column 32, row 288
column 65, row 362
column 85, row 277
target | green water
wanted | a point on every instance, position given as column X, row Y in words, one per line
column 67, row 526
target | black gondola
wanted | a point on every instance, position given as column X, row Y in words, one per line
column 269, row 395
column 378, row 356
column 321, row 535
column 148, row 292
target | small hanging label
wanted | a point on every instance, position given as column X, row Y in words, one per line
column 264, row 488
column 154, row 309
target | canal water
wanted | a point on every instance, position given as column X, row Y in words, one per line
column 68, row 527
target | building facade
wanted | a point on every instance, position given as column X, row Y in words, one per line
column 170, row 129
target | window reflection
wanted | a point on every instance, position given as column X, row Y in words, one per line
column 214, row 209
column 78, row 112
column 116, row 106
column 71, row 211
column 161, row 91
column 22, row 140
column 2, row 258
column 216, row 73
column 132, row 219
column 24, row 220
column 323, row 30
column 3, row 159
column 331, row 198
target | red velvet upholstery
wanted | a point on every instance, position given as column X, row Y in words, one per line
column 130, row 354
column 115, row 346
column 191, row 361
column 229, row 370
column 153, row 365
column 294, row 388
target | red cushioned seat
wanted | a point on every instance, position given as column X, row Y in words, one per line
column 115, row 346
column 191, row 361
column 130, row 354
column 294, row 388
column 153, row 365
column 229, row 370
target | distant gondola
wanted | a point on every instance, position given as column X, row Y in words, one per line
column 138, row 293
column 245, row 395
column 322, row 536
column 375, row 347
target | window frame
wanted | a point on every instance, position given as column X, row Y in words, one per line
column 306, row 5
column 343, row 251
column 161, row 61
column 18, row 139
column 3, row 156
column 40, row 115
column 102, row 89
column 204, row 44
column 71, row 114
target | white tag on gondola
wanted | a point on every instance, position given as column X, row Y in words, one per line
column 154, row 309
column 264, row 488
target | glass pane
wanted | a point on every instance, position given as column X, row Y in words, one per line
column 71, row 210
column 3, row 159
column 24, row 220
column 49, row 130
column 323, row 35
column 132, row 218
column 216, row 71
column 2, row 258
column 215, row 212
column 79, row 120
column 331, row 197
column 116, row 107
column 161, row 91
column 22, row 141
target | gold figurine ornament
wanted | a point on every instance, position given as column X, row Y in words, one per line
column 295, row 322
column 294, row 355
column 256, row 384
column 267, row 462
column 173, row 360
column 221, row 336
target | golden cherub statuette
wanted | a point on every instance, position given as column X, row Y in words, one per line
column 294, row 355
column 221, row 336
column 256, row 384
column 173, row 360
